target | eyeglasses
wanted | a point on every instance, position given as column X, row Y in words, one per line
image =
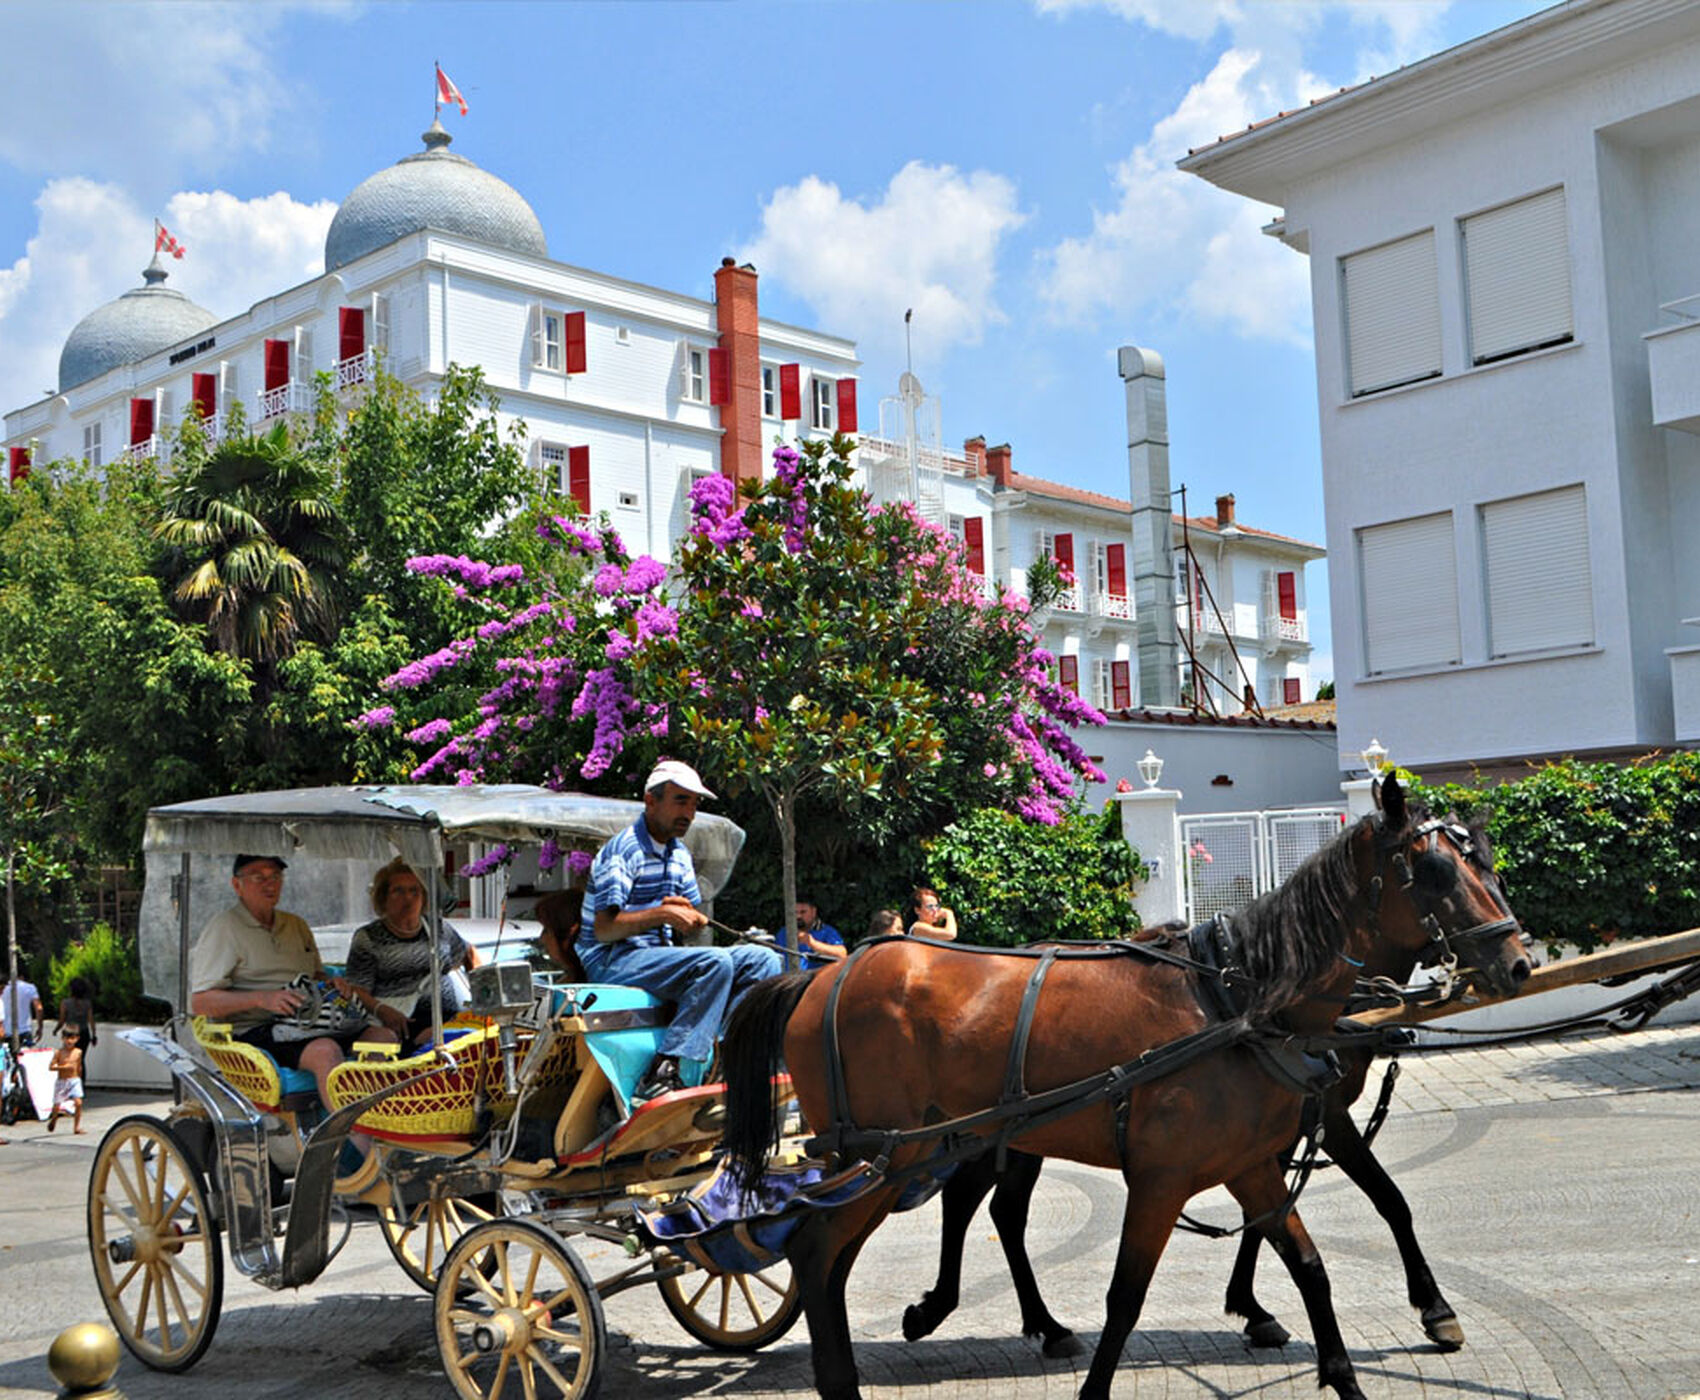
column 263, row 877
column 931, row 904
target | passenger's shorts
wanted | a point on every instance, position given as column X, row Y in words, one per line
column 288, row 1052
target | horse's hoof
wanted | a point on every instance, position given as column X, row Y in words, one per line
column 1443, row 1330
column 1268, row 1333
column 916, row 1323
column 1064, row 1344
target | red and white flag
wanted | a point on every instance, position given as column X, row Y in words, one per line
column 448, row 92
column 164, row 241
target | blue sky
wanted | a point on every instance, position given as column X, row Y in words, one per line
column 1007, row 169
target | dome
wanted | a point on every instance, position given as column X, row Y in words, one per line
column 433, row 189
column 144, row 320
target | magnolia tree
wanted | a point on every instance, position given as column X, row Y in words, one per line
column 805, row 643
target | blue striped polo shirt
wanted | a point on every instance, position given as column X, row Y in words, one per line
column 631, row 872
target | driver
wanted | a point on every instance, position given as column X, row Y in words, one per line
column 643, row 895
column 243, row 958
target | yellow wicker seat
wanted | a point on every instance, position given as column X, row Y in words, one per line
column 250, row 1071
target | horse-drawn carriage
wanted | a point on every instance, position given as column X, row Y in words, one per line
column 513, row 1132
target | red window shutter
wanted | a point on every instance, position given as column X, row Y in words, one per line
column 19, row 465
column 1286, row 585
column 277, row 363
column 1121, row 685
column 1063, row 552
column 719, row 377
column 790, row 391
column 141, row 420
column 974, row 536
column 1290, row 690
column 577, row 357
column 846, row 405
column 1068, row 673
column 351, row 332
column 204, row 392
column 578, row 476
column 1115, row 564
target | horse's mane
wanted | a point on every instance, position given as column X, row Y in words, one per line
column 1290, row 938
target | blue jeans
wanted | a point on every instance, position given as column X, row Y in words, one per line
column 703, row 983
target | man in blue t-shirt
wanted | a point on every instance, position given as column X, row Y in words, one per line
column 819, row 942
column 643, row 895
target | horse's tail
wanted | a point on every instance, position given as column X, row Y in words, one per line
column 751, row 1052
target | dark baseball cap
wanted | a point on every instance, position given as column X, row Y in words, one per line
column 244, row 861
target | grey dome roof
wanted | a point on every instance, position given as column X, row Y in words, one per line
column 144, row 320
column 433, row 189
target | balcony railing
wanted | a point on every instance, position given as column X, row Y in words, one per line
column 356, row 369
column 1113, row 605
column 1068, row 599
column 148, row 449
column 286, row 398
column 1283, row 629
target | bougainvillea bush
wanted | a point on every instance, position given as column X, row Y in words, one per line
column 807, row 645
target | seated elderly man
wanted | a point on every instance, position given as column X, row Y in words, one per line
column 643, row 896
column 241, row 963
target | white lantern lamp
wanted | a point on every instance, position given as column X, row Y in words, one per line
column 1150, row 769
column 1375, row 758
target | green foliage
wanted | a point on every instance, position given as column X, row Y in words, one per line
column 1325, row 691
column 1011, row 882
column 1591, row 852
column 111, row 965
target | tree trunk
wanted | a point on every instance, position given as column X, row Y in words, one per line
column 12, row 955
column 784, row 804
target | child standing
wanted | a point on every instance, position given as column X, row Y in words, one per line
column 68, row 1090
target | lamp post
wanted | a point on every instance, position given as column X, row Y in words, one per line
column 1150, row 769
column 1374, row 757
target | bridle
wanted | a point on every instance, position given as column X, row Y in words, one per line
column 1444, row 944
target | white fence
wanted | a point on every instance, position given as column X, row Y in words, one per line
column 1232, row 857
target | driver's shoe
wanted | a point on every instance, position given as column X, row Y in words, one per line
column 660, row 1078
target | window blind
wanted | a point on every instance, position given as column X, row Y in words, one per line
column 1539, row 588
column 1391, row 298
column 1408, row 581
column 1517, row 273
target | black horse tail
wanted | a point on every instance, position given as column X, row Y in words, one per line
column 751, row 1052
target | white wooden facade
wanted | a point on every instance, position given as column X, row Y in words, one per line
column 1507, row 330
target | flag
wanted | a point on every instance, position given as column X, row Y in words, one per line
column 448, row 92
column 164, row 241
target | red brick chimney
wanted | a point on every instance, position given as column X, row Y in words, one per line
column 975, row 451
column 998, row 463
column 1224, row 511
column 740, row 337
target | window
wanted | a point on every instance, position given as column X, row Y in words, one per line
column 566, row 470
column 1112, row 684
column 1390, row 297
column 791, row 392
column 232, row 387
column 547, row 347
column 1408, row 580
column 974, row 544
column 381, row 322
column 1068, row 673
column 821, row 400
column 1517, row 277
column 695, row 388
column 303, row 355
column 1535, row 554
column 91, row 444
column 204, row 395
column 770, row 391
column 1290, row 690
column 277, row 364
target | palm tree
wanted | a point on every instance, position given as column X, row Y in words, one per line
column 258, row 545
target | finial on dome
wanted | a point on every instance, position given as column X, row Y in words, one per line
column 153, row 274
column 436, row 136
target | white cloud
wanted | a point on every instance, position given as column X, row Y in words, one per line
column 1170, row 245
column 929, row 242
column 140, row 92
column 92, row 242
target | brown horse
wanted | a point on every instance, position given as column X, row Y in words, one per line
column 923, row 1033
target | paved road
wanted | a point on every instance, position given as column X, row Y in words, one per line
column 1554, row 1185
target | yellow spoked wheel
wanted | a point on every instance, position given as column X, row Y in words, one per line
column 420, row 1234
column 155, row 1245
column 518, row 1315
column 735, row 1312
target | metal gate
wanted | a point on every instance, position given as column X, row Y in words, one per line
column 1232, row 857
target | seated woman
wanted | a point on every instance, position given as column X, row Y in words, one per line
column 927, row 918
column 391, row 958
column 886, row 923
column 559, row 912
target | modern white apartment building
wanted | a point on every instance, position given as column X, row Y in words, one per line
column 1507, row 308
column 628, row 391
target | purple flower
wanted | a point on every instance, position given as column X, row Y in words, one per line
column 578, row 862
column 499, row 854
column 380, row 718
column 430, row 732
column 548, row 854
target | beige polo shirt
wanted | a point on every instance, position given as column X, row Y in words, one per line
column 237, row 953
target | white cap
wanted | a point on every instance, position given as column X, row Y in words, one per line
column 670, row 770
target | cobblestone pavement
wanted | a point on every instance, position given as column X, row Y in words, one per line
column 1553, row 1184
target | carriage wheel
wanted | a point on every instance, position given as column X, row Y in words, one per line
column 155, row 1244
column 531, row 1328
column 735, row 1312
column 421, row 1234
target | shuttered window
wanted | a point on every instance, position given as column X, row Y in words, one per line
column 1115, row 560
column 277, row 363
column 1391, row 301
column 572, row 328
column 1539, row 589
column 141, row 421
column 1408, row 579
column 1290, row 690
column 1287, row 594
column 1517, row 277
column 1068, row 673
column 790, row 391
column 847, row 406
column 974, row 537
column 350, row 332
column 1121, row 685
column 204, row 394
column 578, row 477
column 19, row 463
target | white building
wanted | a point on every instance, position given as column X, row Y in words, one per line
column 1240, row 609
column 628, row 392
column 1507, row 307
